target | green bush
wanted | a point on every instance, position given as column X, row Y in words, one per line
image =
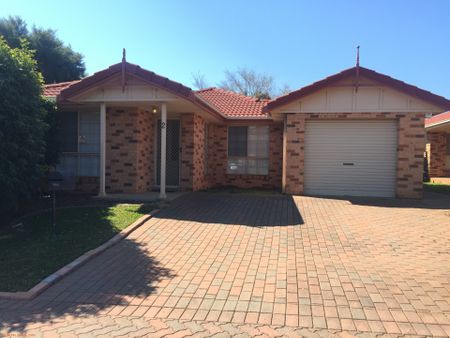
column 23, row 125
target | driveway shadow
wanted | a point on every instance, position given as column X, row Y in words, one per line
column 247, row 209
column 430, row 200
column 122, row 275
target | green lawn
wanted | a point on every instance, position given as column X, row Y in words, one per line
column 28, row 253
column 436, row 187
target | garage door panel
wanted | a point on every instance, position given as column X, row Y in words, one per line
column 370, row 145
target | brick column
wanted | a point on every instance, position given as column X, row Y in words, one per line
column 437, row 153
column 129, row 150
column 293, row 153
column 187, row 151
column 411, row 146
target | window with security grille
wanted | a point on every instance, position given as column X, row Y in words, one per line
column 80, row 143
column 248, row 150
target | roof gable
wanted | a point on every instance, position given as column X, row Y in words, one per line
column 106, row 74
column 398, row 85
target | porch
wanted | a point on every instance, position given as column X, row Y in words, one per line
column 130, row 131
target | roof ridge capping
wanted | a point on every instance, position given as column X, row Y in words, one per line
column 390, row 81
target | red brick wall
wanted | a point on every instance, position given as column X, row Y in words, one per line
column 437, row 153
column 411, row 144
column 145, row 130
column 129, row 149
column 200, row 178
column 187, row 151
column 218, row 161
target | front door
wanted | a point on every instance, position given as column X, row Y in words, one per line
column 172, row 154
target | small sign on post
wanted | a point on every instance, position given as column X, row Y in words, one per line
column 55, row 180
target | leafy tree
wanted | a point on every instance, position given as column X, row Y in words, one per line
column 56, row 61
column 13, row 29
column 52, row 136
column 22, row 124
column 248, row 82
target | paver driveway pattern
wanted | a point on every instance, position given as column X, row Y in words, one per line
column 374, row 266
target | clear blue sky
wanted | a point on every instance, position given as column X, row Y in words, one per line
column 297, row 42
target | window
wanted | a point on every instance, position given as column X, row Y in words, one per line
column 80, row 142
column 248, row 150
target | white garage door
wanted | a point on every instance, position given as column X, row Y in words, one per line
column 350, row 158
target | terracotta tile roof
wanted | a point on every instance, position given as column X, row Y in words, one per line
column 233, row 105
column 438, row 119
column 53, row 90
column 371, row 74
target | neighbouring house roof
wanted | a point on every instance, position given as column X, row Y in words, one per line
column 438, row 119
column 53, row 90
column 371, row 74
column 234, row 105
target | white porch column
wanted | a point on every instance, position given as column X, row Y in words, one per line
column 102, row 191
column 162, row 192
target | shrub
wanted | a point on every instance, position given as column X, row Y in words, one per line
column 22, row 125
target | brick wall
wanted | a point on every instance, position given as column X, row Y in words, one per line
column 87, row 184
column 218, row 161
column 437, row 153
column 200, row 178
column 187, row 151
column 411, row 144
column 129, row 149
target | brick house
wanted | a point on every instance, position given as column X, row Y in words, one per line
column 438, row 147
column 128, row 130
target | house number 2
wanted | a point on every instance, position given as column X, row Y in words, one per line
column 163, row 125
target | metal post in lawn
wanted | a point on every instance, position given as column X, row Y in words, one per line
column 54, row 179
column 53, row 212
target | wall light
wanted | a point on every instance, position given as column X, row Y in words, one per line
column 154, row 109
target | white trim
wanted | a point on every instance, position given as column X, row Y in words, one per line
column 102, row 191
column 163, row 126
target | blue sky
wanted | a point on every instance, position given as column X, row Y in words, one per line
column 297, row 42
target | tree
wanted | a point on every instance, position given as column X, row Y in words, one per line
column 13, row 29
column 56, row 61
column 22, row 125
column 284, row 90
column 248, row 82
column 199, row 81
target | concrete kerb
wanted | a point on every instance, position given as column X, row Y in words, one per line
column 77, row 263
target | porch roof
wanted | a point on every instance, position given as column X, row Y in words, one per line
column 438, row 122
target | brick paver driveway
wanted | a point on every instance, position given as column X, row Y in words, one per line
column 264, row 264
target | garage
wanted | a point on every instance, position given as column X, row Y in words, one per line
column 350, row 158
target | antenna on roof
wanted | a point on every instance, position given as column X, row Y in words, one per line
column 124, row 60
column 357, row 69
